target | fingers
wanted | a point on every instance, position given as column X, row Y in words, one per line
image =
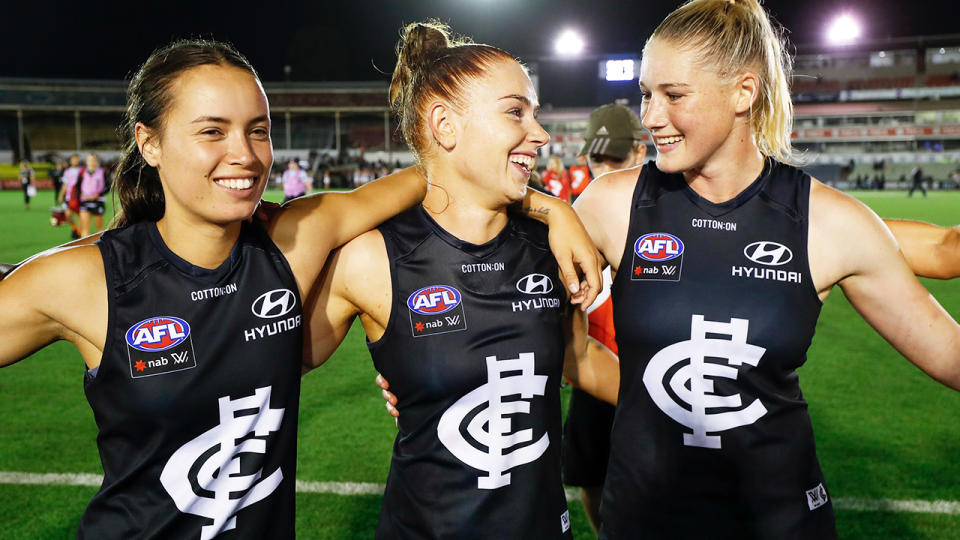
column 382, row 383
column 568, row 274
column 393, row 412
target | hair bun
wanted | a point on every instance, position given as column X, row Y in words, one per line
column 421, row 42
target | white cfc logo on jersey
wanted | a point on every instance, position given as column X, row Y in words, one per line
column 223, row 489
column 499, row 436
column 689, row 383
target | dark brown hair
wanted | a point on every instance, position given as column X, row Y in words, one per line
column 430, row 65
column 137, row 184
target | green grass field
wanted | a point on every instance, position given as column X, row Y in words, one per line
column 884, row 430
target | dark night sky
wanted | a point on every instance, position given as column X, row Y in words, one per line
column 344, row 40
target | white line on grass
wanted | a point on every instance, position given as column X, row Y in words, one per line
column 370, row 488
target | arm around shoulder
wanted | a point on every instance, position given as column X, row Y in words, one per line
column 930, row 250
column 354, row 282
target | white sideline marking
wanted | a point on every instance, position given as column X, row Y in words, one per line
column 573, row 494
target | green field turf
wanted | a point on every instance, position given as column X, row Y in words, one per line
column 884, row 430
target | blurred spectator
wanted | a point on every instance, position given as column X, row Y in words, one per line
column 579, row 176
column 556, row 179
column 26, row 183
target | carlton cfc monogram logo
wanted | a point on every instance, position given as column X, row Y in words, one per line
column 493, row 427
column 690, row 384
column 204, row 478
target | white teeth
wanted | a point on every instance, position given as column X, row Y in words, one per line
column 236, row 183
column 524, row 161
column 669, row 140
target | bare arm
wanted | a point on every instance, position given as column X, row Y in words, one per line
column 930, row 250
column 355, row 282
column 867, row 265
column 334, row 218
column 570, row 243
column 43, row 301
column 588, row 364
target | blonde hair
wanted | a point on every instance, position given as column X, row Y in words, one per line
column 430, row 65
column 555, row 164
column 735, row 36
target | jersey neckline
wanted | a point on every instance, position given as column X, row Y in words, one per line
column 186, row 267
column 476, row 250
column 720, row 209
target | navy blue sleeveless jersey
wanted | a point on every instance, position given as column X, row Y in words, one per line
column 196, row 395
column 474, row 352
column 715, row 308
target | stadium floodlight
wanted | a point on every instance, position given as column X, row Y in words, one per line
column 569, row 43
column 843, row 30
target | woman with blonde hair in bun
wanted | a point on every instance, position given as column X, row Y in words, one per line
column 723, row 252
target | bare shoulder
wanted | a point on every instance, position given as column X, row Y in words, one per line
column 846, row 237
column 833, row 209
column 613, row 184
column 604, row 208
column 61, row 294
column 362, row 278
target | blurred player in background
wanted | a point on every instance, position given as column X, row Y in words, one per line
column 612, row 141
column 93, row 187
column 26, row 183
column 296, row 181
column 70, row 193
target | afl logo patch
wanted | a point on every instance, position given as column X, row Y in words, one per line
column 535, row 284
column 768, row 253
column 434, row 300
column 658, row 247
column 275, row 303
column 158, row 333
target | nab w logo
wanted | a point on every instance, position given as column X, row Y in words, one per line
column 493, row 426
column 689, row 383
column 768, row 253
column 535, row 284
column 275, row 303
column 204, row 477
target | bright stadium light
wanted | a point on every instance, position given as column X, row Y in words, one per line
column 843, row 30
column 569, row 43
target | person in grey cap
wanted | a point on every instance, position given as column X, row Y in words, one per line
column 613, row 141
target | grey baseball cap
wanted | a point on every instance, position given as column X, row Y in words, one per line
column 611, row 131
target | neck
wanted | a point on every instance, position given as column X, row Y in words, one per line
column 729, row 170
column 205, row 245
column 462, row 208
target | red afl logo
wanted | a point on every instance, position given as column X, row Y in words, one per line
column 158, row 333
column 658, row 247
column 434, row 299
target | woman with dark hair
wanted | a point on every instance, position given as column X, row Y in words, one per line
column 189, row 317
column 459, row 305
